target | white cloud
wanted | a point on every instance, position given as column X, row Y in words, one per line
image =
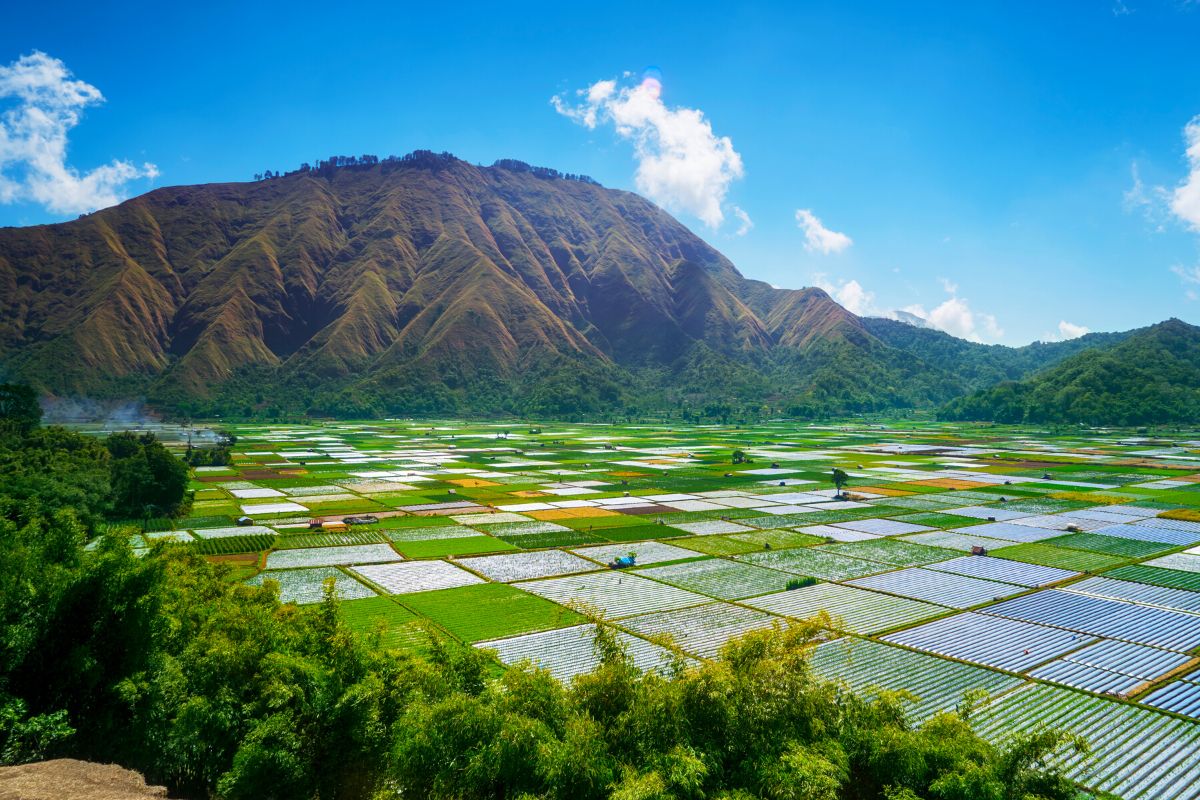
column 1069, row 330
column 33, row 140
column 682, row 164
column 850, row 295
column 745, row 222
column 956, row 317
column 1185, row 200
column 818, row 238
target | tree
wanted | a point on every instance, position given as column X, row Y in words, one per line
column 20, row 411
column 840, row 479
column 739, row 457
column 145, row 475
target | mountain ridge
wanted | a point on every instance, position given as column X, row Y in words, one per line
column 431, row 281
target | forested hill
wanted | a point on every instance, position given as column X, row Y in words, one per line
column 1150, row 377
column 981, row 365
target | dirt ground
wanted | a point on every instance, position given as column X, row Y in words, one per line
column 67, row 779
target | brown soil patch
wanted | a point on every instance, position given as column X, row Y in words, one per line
column 68, row 779
column 571, row 513
column 950, row 483
column 886, row 491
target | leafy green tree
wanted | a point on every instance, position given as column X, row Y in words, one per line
column 840, row 480
column 20, row 411
column 147, row 479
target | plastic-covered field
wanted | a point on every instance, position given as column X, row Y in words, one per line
column 854, row 610
column 1003, row 570
column 1134, row 752
column 1111, row 667
column 700, row 630
column 811, row 562
column 407, row 577
column 308, row 585
column 938, row 684
column 942, row 588
column 1010, row 531
column 644, row 552
column 961, row 539
column 1111, row 619
column 1181, row 697
column 616, row 594
column 332, row 556
column 720, row 578
column 567, row 652
column 991, row 641
column 892, row 551
column 1177, row 599
column 525, row 566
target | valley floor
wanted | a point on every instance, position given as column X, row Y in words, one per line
column 1057, row 575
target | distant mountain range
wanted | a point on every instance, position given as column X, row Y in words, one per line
column 429, row 285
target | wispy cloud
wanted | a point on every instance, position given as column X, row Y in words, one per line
column 682, row 164
column 745, row 223
column 1190, row 277
column 818, row 238
column 47, row 102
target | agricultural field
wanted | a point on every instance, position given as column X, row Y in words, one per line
column 1053, row 578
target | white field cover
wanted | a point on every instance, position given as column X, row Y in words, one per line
column 645, row 552
column 853, row 610
column 308, row 585
column 1135, row 752
column 615, row 593
column 720, row 578
column 332, row 556
column 525, row 566
column 943, row 588
column 234, row 530
column 416, row 576
column 938, row 684
column 700, row 630
column 567, row 652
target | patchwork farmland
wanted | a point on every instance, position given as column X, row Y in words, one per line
column 1054, row 578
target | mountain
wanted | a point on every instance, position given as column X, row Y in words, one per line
column 425, row 284
column 1151, row 376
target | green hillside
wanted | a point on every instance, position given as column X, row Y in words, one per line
column 1151, row 377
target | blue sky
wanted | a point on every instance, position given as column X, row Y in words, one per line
column 979, row 161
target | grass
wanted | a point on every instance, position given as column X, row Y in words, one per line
column 539, row 541
column 1157, row 576
column 1189, row 514
column 933, row 519
column 720, row 545
column 637, row 533
column 1112, row 545
column 490, row 611
column 776, row 539
column 432, row 548
column 396, row 626
column 1061, row 557
column 230, row 545
column 293, row 541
